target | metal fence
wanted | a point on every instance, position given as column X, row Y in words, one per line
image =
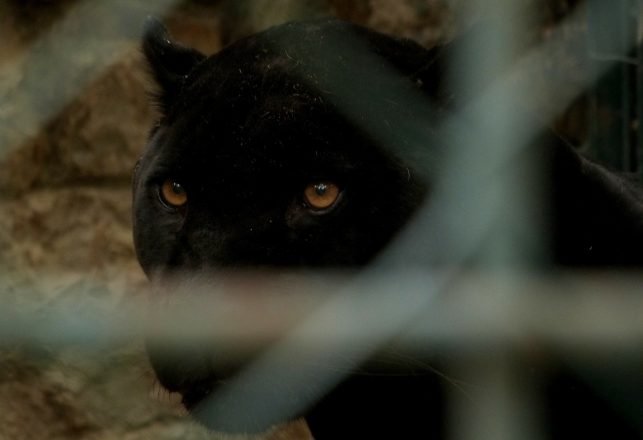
column 501, row 309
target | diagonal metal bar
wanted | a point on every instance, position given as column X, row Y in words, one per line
column 62, row 61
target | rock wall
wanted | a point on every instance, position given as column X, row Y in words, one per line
column 74, row 115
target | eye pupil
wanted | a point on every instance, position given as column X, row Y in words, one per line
column 320, row 189
column 177, row 188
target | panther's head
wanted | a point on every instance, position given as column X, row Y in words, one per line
column 285, row 150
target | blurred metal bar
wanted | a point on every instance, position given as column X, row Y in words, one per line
column 500, row 404
column 613, row 99
column 578, row 313
column 503, row 213
column 451, row 207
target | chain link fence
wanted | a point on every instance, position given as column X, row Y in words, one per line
column 72, row 322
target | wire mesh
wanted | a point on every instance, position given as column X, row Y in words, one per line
column 487, row 318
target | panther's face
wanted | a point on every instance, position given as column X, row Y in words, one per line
column 255, row 163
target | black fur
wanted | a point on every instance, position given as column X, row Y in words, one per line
column 245, row 130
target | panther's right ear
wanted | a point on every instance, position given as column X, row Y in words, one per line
column 169, row 61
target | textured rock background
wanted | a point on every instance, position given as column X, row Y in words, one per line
column 74, row 115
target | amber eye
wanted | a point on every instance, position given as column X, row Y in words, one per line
column 321, row 195
column 173, row 193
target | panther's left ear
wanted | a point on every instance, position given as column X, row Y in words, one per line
column 169, row 61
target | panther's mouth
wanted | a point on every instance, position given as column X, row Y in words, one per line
column 206, row 330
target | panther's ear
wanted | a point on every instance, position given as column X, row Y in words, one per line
column 169, row 61
column 427, row 68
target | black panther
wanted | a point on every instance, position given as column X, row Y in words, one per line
column 292, row 149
